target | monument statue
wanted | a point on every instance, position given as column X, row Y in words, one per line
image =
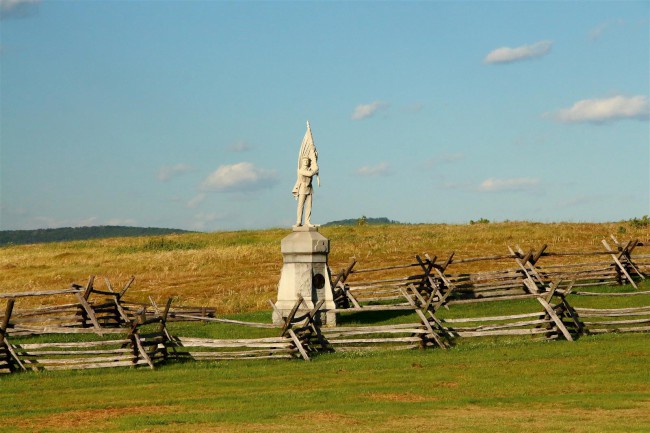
column 307, row 169
column 305, row 278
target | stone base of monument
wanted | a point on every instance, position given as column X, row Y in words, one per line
column 305, row 272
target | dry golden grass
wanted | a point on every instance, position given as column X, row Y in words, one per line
column 239, row 271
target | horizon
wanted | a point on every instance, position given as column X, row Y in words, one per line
column 191, row 115
column 325, row 225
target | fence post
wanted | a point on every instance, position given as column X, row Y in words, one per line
column 3, row 334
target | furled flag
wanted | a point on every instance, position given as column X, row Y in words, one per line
column 308, row 150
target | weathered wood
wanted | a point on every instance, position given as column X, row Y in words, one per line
column 4, row 324
column 70, row 352
column 528, row 280
column 374, row 340
column 226, row 356
column 79, row 344
column 3, row 334
column 91, row 366
column 647, row 292
column 558, row 322
column 591, row 315
column 39, row 293
column 645, row 309
column 298, row 344
column 230, row 321
column 126, row 287
column 505, row 332
column 28, row 329
column 89, row 287
column 377, row 328
column 392, row 348
column 141, row 352
column 431, row 332
column 617, row 330
column 490, row 319
column 291, row 315
column 288, row 350
column 343, row 275
column 374, row 308
column 339, row 334
column 385, row 268
column 364, row 299
column 511, row 325
column 450, row 288
column 619, row 264
column 617, row 322
column 88, row 309
column 83, row 360
column 352, row 299
column 492, row 299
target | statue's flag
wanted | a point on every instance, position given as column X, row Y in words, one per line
column 308, row 150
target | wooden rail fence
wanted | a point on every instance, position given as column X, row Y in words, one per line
column 108, row 331
column 441, row 282
column 143, row 343
column 105, row 311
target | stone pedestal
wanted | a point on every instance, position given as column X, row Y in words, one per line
column 305, row 272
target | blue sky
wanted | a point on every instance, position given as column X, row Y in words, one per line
column 190, row 114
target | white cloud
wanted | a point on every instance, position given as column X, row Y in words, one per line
column 18, row 8
column 604, row 110
column 243, row 176
column 364, row 111
column 525, row 52
column 381, row 169
column 502, row 185
column 240, row 146
column 598, row 31
column 166, row 172
column 196, row 200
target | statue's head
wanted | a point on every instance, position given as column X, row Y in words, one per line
column 305, row 162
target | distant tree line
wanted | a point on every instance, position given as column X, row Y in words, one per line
column 21, row 237
column 361, row 222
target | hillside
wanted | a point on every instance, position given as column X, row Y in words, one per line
column 239, row 271
column 22, row 237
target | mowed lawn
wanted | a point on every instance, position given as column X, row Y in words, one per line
column 597, row 384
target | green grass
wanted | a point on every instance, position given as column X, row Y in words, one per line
column 502, row 384
column 597, row 384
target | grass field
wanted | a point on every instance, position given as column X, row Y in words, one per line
column 239, row 271
column 596, row 384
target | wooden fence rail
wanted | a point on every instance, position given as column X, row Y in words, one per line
column 111, row 332
column 93, row 311
column 143, row 343
column 200, row 349
column 383, row 287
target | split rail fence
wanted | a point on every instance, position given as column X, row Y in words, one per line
column 138, row 344
column 516, row 275
column 110, row 332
